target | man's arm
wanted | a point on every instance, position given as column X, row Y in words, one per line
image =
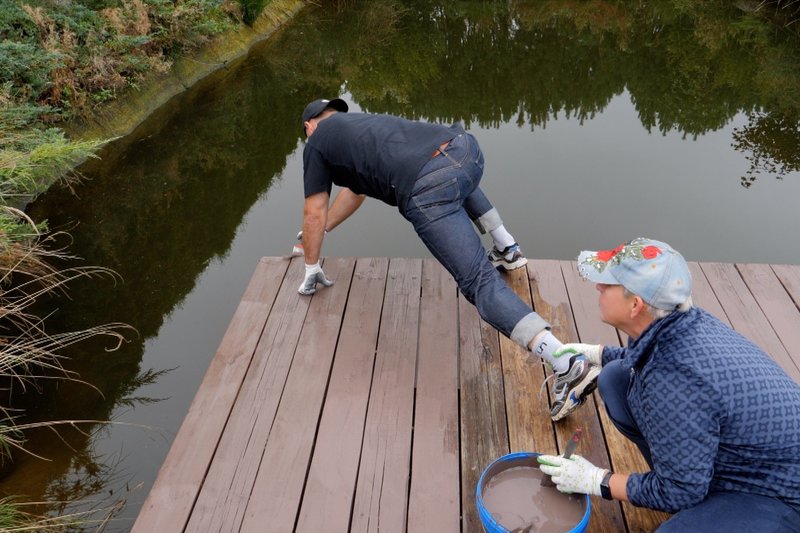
column 345, row 204
column 315, row 216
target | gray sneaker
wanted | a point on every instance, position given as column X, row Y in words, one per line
column 573, row 386
column 510, row 258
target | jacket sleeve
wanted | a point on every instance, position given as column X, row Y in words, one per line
column 679, row 415
column 610, row 353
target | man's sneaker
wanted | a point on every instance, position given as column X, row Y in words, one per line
column 510, row 258
column 573, row 386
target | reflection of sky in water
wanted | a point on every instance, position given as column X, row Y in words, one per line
column 609, row 181
column 572, row 186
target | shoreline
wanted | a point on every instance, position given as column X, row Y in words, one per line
column 120, row 117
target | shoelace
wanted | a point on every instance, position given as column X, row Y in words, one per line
column 544, row 384
column 508, row 252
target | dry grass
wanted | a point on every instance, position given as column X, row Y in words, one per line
column 27, row 350
column 93, row 57
column 130, row 19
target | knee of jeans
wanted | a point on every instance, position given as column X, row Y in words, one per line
column 672, row 525
column 603, row 384
column 611, row 379
column 479, row 162
column 477, row 280
column 468, row 285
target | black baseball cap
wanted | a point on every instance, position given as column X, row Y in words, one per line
column 318, row 106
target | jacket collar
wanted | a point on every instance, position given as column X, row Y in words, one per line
column 640, row 349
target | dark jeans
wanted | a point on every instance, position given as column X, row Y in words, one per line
column 444, row 201
column 720, row 511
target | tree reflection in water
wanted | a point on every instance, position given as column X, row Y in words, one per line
column 774, row 145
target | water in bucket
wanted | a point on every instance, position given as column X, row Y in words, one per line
column 510, row 497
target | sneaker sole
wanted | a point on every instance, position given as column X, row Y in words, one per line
column 505, row 265
column 578, row 394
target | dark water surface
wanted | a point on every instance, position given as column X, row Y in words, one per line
column 599, row 123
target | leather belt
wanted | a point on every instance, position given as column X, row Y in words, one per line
column 441, row 149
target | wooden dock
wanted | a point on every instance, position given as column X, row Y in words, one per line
column 375, row 404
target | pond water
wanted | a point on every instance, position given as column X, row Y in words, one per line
column 599, row 123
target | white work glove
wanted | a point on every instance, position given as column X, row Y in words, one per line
column 297, row 249
column 314, row 275
column 575, row 474
column 300, row 235
column 593, row 352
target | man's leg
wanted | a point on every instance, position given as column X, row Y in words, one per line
column 735, row 511
column 613, row 386
column 439, row 218
column 505, row 253
column 477, row 205
column 447, row 232
column 435, row 209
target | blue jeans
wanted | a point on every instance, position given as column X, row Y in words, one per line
column 443, row 203
column 613, row 387
column 720, row 511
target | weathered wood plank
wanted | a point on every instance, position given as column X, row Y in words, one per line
column 544, row 284
column 583, row 301
column 552, row 300
column 330, row 486
column 552, row 303
column 434, row 503
column 777, row 305
column 173, row 494
column 227, row 487
column 484, row 433
column 381, row 500
column 789, row 275
column 745, row 314
column 703, row 295
column 615, row 452
column 528, row 414
column 275, row 499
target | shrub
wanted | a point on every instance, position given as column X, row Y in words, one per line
column 251, row 9
column 61, row 54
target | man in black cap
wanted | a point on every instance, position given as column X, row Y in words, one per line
column 431, row 173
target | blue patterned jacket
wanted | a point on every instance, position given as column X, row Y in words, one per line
column 717, row 412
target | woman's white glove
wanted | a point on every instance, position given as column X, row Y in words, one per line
column 300, row 235
column 314, row 275
column 297, row 249
column 575, row 474
column 593, row 352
